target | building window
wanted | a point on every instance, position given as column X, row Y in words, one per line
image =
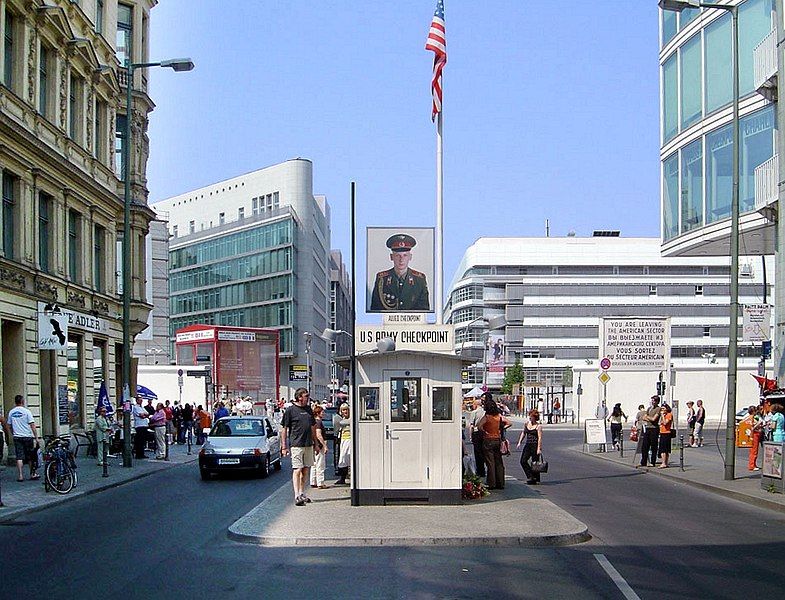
column 99, row 368
column 10, row 184
column 668, row 25
column 73, row 245
column 124, row 33
column 707, row 332
column 43, row 81
column 99, row 256
column 719, row 60
column 699, row 290
column 276, row 201
column 255, row 206
column 690, row 57
column 670, row 98
column 692, row 186
column 74, row 108
column 119, row 147
column 99, row 144
column 241, row 213
column 9, row 50
column 754, row 25
column 652, row 290
column 99, row 16
column 174, row 231
column 191, row 226
column 75, row 378
column 670, row 194
column 44, row 230
column 221, row 218
column 757, row 146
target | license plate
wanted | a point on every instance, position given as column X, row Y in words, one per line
column 228, row 461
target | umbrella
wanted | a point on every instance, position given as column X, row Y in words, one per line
column 146, row 393
column 475, row 392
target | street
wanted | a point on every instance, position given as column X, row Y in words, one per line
column 165, row 536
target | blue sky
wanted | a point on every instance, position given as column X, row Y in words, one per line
column 551, row 111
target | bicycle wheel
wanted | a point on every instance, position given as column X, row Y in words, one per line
column 60, row 480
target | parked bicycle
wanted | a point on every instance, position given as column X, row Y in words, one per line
column 59, row 465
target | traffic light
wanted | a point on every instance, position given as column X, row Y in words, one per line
column 766, row 349
column 660, row 388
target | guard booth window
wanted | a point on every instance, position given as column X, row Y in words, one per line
column 369, row 403
column 442, row 404
column 405, row 400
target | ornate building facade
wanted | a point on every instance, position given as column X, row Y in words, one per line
column 62, row 122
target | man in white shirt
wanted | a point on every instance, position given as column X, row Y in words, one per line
column 25, row 435
column 141, row 422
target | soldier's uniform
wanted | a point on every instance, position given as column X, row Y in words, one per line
column 409, row 292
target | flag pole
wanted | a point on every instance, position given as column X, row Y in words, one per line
column 439, row 221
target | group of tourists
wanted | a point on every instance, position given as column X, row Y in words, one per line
column 767, row 423
column 487, row 426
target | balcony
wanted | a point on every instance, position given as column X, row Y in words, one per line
column 765, row 66
column 766, row 176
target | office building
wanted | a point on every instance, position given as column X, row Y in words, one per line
column 62, row 119
column 253, row 251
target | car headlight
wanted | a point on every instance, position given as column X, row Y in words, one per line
column 254, row 451
column 204, row 451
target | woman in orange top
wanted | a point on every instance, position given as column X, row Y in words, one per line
column 666, row 425
column 492, row 425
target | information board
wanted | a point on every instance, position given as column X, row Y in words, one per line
column 756, row 323
column 595, row 431
column 772, row 460
column 635, row 343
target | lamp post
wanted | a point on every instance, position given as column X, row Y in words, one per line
column 730, row 421
column 308, row 338
column 177, row 64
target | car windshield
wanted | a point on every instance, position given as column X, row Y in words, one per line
column 238, row 428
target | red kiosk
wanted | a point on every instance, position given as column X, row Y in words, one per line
column 244, row 360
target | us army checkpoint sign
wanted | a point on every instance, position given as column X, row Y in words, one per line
column 52, row 331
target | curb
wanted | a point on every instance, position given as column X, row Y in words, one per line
column 568, row 539
column 6, row 517
column 739, row 496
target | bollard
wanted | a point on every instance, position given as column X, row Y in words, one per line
column 1, row 490
column 188, row 436
column 621, row 444
column 681, row 452
column 104, row 453
column 166, row 446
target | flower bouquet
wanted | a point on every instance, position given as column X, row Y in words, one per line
column 473, row 488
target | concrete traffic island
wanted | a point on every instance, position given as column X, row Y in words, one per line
column 515, row 516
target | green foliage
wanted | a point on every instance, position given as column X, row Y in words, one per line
column 512, row 376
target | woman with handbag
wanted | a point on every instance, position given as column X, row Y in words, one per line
column 615, row 420
column 492, row 425
column 666, row 434
column 531, row 438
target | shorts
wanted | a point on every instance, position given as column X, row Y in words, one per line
column 698, row 432
column 302, row 457
column 664, row 447
column 24, row 447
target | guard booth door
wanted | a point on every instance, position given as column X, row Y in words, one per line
column 405, row 429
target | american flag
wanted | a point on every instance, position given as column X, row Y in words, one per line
column 437, row 43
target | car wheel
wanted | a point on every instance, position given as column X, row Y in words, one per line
column 278, row 464
column 264, row 467
column 205, row 474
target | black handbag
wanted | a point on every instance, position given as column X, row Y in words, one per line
column 540, row 465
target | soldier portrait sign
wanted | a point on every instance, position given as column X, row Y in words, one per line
column 400, row 269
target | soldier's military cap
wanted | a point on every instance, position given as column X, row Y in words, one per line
column 401, row 242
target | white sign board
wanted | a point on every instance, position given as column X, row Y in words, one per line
column 403, row 318
column 81, row 321
column 424, row 336
column 52, row 331
column 595, row 431
column 193, row 336
column 636, row 343
column 757, row 323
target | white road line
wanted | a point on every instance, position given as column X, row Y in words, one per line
column 616, row 577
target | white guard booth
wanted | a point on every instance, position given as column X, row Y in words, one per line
column 408, row 428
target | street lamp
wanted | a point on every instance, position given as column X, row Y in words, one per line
column 308, row 338
column 730, row 420
column 177, row 64
column 330, row 335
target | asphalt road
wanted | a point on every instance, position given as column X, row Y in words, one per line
column 164, row 536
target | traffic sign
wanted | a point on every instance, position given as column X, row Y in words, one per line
column 604, row 378
column 179, row 372
column 605, row 364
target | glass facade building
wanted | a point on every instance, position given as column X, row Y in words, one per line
column 696, row 80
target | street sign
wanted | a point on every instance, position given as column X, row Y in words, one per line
column 298, row 373
column 52, row 331
column 605, row 364
column 604, row 378
column 595, row 432
column 179, row 372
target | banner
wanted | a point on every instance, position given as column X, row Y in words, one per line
column 494, row 357
column 103, row 401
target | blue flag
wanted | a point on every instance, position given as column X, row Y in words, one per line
column 103, row 401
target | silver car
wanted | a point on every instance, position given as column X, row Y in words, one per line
column 241, row 444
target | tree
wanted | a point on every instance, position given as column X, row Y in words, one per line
column 512, row 376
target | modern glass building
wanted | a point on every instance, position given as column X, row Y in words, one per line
column 696, row 80
column 253, row 251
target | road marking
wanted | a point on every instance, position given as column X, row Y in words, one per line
column 616, row 577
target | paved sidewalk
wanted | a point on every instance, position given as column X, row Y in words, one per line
column 515, row 516
column 704, row 468
column 28, row 496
